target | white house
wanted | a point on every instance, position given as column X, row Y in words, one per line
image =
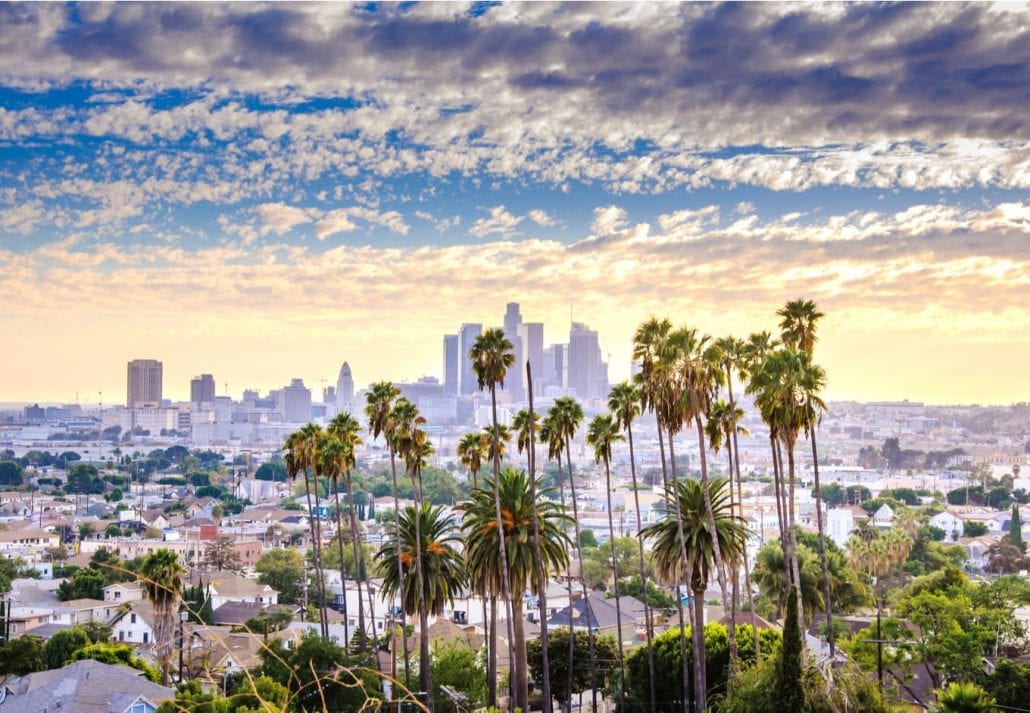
column 133, row 624
column 839, row 524
column 122, row 592
column 950, row 523
column 884, row 517
column 82, row 611
column 228, row 587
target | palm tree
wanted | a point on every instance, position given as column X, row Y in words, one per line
column 345, row 428
column 497, row 446
column 492, row 355
column 624, row 403
column 298, row 459
column 524, row 435
column 798, row 329
column 331, row 456
column 567, row 416
column 551, row 434
column 722, row 426
column 482, row 544
column 413, row 445
column 601, row 433
column 472, row 449
column 730, row 533
column 427, row 536
column 651, row 348
column 162, row 584
column 378, row 410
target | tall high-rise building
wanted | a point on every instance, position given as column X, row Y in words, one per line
column 345, row 388
column 295, row 402
column 467, row 338
column 516, row 376
column 531, row 334
column 555, row 371
column 588, row 374
column 451, row 363
column 202, row 389
column 144, row 383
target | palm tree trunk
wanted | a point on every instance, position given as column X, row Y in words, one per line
column 830, row 637
column 793, row 535
column 424, row 671
column 315, row 556
column 343, row 574
column 538, row 561
column 683, row 555
column 747, row 561
column 781, row 522
column 582, row 579
column 491, row 671
column 648, row 622
column 521, row 688
column 720, row 570
column 322, row 606
column 615, row 581
column 359, row 562
column 572, row 643
column 520, row 664
column 400, row 567
column 698, row 632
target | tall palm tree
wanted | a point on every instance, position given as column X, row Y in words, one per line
column 345, row 428
column 379, row 410
column 413, row 445
column 624, row 403
column 567, row 416
column 601, row 433
column 497, row 446
column 729, row 532
column 523, row 433
column 427, row 536
column 473, row 448
column 298, row 459
column 652, row 349
column 331, row 456
column 492, row 355
column 551, row 434
column 798, row 328
column 482, row 546
column 162, row 584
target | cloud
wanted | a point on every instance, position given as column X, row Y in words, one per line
column 280, row 218
column 609, row 220
column 500, row 222
column 541, row 218
column 340, row 221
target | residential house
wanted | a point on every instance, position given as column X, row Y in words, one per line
column 951, row 523
column 25, row 619
column 597, row 613
column 81, row 611
column 228, row 587
column 86, row 686
column 134, row 623
column 122, row 592
column 884, row 517
column 27, row 539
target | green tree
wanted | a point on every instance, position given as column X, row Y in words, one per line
column 86, row 583
column 23, row 655
column 108, row 652
column 973, row 529
column 283, row 571
column 1015, row 536
column 459, row 668
column 656, row 597
column 789, row 688
column 1010, row 683
column 963, row 698
column 558, row 661
column 300, row 449
column 10, row 473
column 63, row 644
column 473, row 449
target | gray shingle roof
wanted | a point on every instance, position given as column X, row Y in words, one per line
column 86, row 686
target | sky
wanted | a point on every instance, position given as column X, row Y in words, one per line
column 261, row 191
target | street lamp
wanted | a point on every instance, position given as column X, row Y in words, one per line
column 183, row 616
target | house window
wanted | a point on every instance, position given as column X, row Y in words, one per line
column 146, row 638
column 117, row 595
column 132, row 618
column 121, row 636
column 141, row 707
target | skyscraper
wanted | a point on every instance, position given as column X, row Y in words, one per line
column 467, row 337
column 588, row 374
column 451, row 363
column 144, row 382
column 531, row 334
column 345, row 388
column 516, row 376
column 296, row 402
column 202, row 389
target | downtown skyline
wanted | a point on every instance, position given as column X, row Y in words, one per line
column 320, row 183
